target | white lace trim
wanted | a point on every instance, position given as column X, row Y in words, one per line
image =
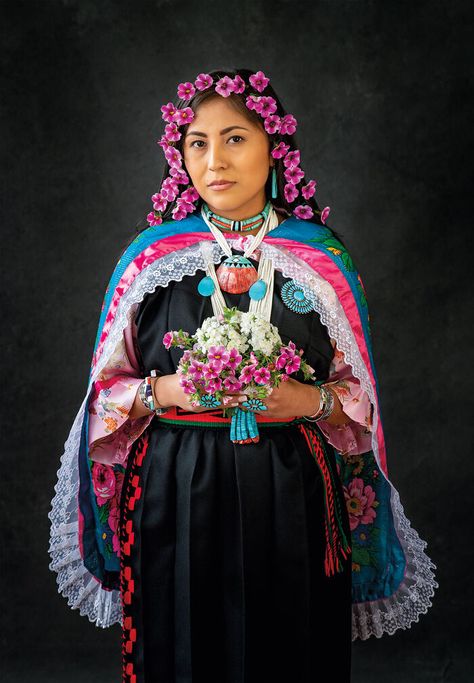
column 103, row 607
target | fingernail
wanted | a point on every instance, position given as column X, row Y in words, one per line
column 234, row 404
column 242, row 398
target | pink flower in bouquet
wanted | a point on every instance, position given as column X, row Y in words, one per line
column 214, row 384
column 209, row 372
column 188, row 385
column 293, row 364
column 261, row 376
column 286, row 353
column 196, row 369
column 281, row 361
column 217, row 357
column 186, row 356
column 234, row 359
column 168, row 339
column 253, row 358
column 231, row 383
column 246, row 374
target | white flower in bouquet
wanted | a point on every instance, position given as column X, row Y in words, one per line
column 234, row 351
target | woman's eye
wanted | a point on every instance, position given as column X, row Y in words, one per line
column 231, row 138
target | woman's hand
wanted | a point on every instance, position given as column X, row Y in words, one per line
column 169, row 392
column 290, row 399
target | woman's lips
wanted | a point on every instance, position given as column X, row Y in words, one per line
column 221, row 187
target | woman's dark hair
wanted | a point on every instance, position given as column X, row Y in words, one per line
column 238, row 101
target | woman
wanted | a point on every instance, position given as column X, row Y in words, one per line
column 216, row 555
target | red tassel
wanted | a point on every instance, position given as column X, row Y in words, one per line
column 336, row 542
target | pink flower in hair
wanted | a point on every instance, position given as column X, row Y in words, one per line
column 154, row 220
column 303, row 211
column 203, row 81
column 252, row 101
column 280, row 150
column 184, row 206
column 171, row 132
column 291, row 192
column 173, row 156
column 239, row 84
column 225, row 86
column 184, row 116
column 266, row 106
column 288, row 125
column 259, row 81
column 325, row 214
column 159, row 202
column 179, row 213
column 293, row 175
column 186, row 90
column 292, row 158
column 272, row 124
column 308, row 190
column 190, row 194
column 168, row 112
column 163, row 142
column 169, row 189
column 179, row 175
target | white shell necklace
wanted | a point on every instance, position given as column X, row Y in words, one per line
column 236, row 271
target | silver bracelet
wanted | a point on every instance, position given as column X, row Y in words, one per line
column 326, row 405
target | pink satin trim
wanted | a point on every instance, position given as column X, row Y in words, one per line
column 317, row 260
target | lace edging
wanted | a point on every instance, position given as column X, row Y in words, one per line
column 103, row 607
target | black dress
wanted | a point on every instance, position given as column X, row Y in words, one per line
column 224, row 581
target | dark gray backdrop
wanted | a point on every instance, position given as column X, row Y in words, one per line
column 382, row 94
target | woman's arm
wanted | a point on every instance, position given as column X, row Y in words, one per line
column 164, row 392
column 337, row 416
column 350, row 431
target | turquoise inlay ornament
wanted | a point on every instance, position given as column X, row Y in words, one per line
column 206, row 286
column 209, row 401
column 257, row 290
column 254, row 404
column 294, row 297
column 243, row 427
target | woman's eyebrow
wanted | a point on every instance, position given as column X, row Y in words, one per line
column 223, row 131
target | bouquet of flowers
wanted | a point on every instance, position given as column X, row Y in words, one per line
column 231, row 352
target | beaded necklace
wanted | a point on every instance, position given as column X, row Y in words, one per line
column 229, row 225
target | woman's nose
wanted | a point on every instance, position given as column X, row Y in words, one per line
column 216, row 159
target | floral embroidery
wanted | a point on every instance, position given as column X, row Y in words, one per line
column 107, row 482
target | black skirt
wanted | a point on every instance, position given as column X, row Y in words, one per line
column 223, row 544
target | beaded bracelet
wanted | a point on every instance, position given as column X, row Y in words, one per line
column 146, row 393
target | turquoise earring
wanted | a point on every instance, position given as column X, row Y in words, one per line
column 274, row 184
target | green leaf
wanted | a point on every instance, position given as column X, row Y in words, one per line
column 360, row 555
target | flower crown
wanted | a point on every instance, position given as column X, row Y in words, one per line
column 266, row 107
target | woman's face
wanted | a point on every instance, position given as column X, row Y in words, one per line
column 241, row 155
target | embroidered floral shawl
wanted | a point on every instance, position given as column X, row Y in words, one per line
column 392, row 577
